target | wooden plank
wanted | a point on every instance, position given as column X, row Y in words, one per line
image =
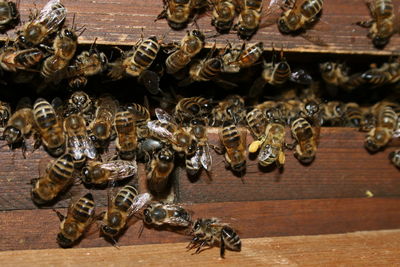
column 120, row 22
column 377, row 248
column 37, row 229
column 342, row 169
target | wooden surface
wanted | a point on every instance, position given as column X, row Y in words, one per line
column 378, row 248
column 342, row 169
column 37, row 229
column 120, row 22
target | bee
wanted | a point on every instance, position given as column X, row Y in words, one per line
column 394, row 157
column 5, row 113
column 211, row 231
column 9, row 15
column 79, row 144
column 120, row 209
column 382, row 26
column 353, row 114
column 159, row 168
column 204, row 70
column 191, row 107
column 191, row 45
column 166, row 128
column 388, row 73
column 141, row 116
column 249, row 18
column 177, row 13
column 223, row 15
column 271, row 144
column 333, row 112
column 337, row 74
column 64, row 48
column 237, row 59
column 299, row 15
column 234, row 146
column 379, row 136
column 12, row 59
column 306, row 137
column 100, row 173
column 160, row 214
column 101, row 127
column 136, row 61
column 49, row 127
column 79, row 217
column 368, row 120
column 126, row 142
column 257, row 122
column 80, row 103
column 230, row 109
column 202, row 156
column 48, row 21
column 57, row 178
column 87, row 63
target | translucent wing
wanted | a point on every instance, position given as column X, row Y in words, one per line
column 206, row 159
column 76, row 147
column 195, row 160
column 270, row 14
column 300, row 76
column 265, row 153
column 163, row 116
column 90, row 150
column 159, row 130
column 120, row 168
column 52, row 15
column 139, row 202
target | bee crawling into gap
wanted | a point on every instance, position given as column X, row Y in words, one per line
column 173, row 215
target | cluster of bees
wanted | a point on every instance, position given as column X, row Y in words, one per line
column 77, row 131
column 247, row 16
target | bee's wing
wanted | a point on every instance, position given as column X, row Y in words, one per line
column 139, row 202
column 300, row 76
column 89, row 148
column 163, row 116
column 206, row 159
column 120, row 168
column 159, row 130
column 52, row 15
column 270, row 14
column 75, row 146
column 265, row 153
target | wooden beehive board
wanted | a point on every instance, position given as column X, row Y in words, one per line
column 121, row 22
column 378, row 248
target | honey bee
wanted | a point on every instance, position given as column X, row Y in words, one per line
column 79, row 217
column 204, row 70
column 257, row 122
column 101, row 127
column 336, row 74
column 19, row 126
column 57, row 178
column 230, row 109
column 48, row 21
column 234, row 146
column 64, row 48
column 211, row 231
column 141, row 116
column 159, row 169
column 394, row 157
column 332, row 113
column 223, row 15
column 166, row 128
column 191, row 45
column 5, row 113
column 177, row 12
column 126, row 141
column 100, row 173
column 80, row 103
column 9, row 16
column 306, row 137
column 299, row 14
column 160, row 214
column 353, row 114
column 87, row 63
column 12, row 59
column 382, row 26
column 120, row 209
column 379, row 136
column 79, row 144
column 202, row 156
column 368, row 120
column 271, row 144
column 237, row 59
column 191, row 107
column 49, row 127
column 388, row 73
column 249, row 18
column 136, row 61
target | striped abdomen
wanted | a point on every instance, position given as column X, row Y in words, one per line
column 144, row 55
column 257, row 122
column 126, row 131
column 62, row 170
column 230, row 136
column 231, row 238
column 210, row 69
column 177, row 61
column 383, row 9
column 125, row 197
column 310, row 8
column 281, row 73
column 387, row 118
column 83, row 209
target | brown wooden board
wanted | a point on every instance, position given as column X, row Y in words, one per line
column 37, row 229
column 342, row 169
column 121, row 23
column 375, row 248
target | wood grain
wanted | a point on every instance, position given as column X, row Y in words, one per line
column 342, row 169
column 37, row 229
column 120, row 23
column 377, row 248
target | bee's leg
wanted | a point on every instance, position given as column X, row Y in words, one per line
column 162, row 15
column 222, row 248
column 60, row 216
column 193, row 243
column 290, row 146
column 218, row 149
column 365, row 24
